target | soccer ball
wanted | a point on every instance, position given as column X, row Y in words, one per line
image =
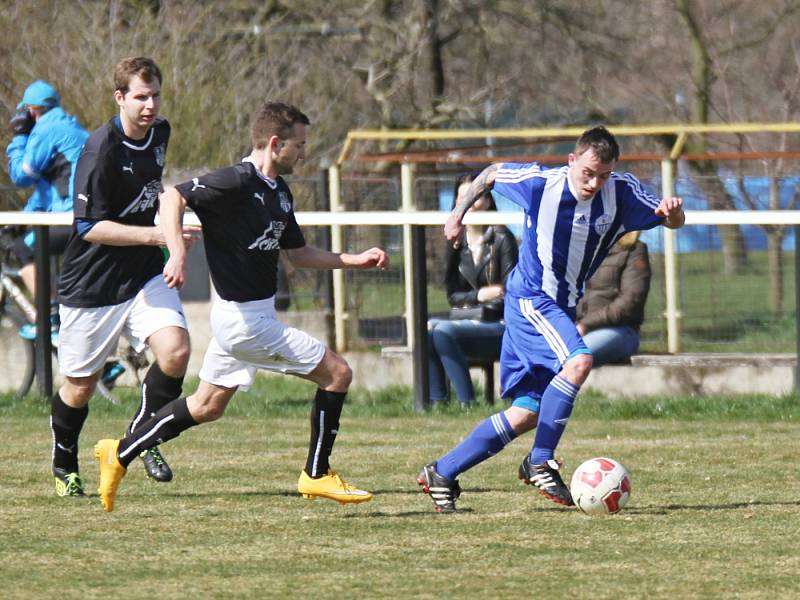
column 601, row 486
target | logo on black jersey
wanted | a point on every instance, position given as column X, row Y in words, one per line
column 160, row 153
column 196, row 184
column 259, row 197
column 145, row 200
column 286, row 205
column 270, row 238
column 129, row 168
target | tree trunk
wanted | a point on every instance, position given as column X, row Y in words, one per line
column 734, row 251
column 775, row 270
column 775, row 253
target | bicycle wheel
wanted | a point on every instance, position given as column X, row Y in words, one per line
column 17, row 356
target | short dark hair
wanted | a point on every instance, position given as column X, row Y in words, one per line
column 130, row 67
column 275, row 118
column 601, row 141
column 469, row 178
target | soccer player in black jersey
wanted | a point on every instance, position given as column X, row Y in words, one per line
column 110, row 282
column 247, row 214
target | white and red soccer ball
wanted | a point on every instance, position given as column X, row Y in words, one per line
column 601, row 486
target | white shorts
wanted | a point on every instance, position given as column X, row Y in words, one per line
column 88, row 336
column 246, row 336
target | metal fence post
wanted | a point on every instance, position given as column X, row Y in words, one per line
column 44, row 349
column 672, row 311
column 337, row 245
column 420, row 347
column 324, row 204
column 407, row 205
column 797, row 307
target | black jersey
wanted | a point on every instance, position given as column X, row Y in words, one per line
column 246, row 219
column 117, row 179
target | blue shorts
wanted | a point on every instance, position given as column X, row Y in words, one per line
column 540, row 337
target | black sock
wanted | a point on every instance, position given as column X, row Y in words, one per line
column 158, row 390
column 324, row 427
column 169, row 422
column 66, row 423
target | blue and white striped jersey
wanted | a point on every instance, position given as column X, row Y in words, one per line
column 566, row 239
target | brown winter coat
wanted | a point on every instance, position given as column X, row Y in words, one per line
column 616, row 294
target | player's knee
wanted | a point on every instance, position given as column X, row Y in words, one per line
column 521, row 419
column 173, row 360
column 339, row 373
column 76, row 391
column 577, row 369
column 342, row 374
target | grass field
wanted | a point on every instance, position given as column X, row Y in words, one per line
column 714, row 511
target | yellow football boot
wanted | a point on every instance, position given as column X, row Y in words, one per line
column 111, row 471
column 330, row 486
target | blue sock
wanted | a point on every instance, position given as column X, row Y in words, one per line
column 487, row 439
column 556, row 407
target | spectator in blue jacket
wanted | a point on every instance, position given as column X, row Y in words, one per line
column 43, row 153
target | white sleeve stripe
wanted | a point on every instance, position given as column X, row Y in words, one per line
column 639, row 192
column 517, row 175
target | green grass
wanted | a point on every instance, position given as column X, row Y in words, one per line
column 723, row 313
column 713, row 514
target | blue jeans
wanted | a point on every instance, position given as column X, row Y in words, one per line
column 450, row 344
column 612, row 344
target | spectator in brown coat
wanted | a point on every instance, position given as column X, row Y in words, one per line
column 612, row 309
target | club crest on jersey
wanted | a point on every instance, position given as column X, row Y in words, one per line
column 160, row 154
column 602, row 224
column 286, row 204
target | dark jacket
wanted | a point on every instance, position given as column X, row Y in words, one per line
column 463, row 278
column 616, row 294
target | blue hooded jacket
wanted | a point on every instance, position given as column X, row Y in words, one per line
column 46, row 158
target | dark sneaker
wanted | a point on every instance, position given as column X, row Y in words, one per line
column 442, row 490
column 68, row 483
column 155, row 465
column 547, row 478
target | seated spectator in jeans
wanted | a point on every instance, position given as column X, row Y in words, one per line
column 612, row 309
column 475, row 283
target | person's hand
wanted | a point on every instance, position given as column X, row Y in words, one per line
column 489, row 293
column 374, row 257
column 22, row 122
column 175, row 271
column 671, row 210
column 452, row 230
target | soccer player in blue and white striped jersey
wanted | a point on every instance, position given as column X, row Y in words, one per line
column 573, row 215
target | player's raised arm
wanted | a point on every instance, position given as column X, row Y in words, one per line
column 479, row 186
column 671, row 210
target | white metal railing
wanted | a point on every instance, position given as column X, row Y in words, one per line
column 407, row 218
